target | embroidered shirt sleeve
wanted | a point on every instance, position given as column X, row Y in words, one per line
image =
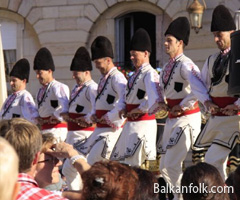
column 153, row 90
column 91, row 96
column 119, row 85
column 192, row 74
column 29, row 108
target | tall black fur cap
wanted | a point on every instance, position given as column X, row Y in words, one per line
column 101, row 48
column 222, row 19
column 81, row 60
column 21, row 69
column 43, row 60
column 141, row 41
column 180, row 29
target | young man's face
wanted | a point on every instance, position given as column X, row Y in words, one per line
column 47, row 171
column 17, row 84
column 138, row 58
column 102, row 64
column 79, row 77
column 43, row 76
column 172, row 45
column 222, row 39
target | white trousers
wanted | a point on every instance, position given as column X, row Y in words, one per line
column 74, row 181
column 59, row 133
column 220, row 134
column 218, row 157
column 73, row 178
column 186, row 128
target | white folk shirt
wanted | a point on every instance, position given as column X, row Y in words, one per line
column 110, row 96
column 19, row 104
column 143, row 89
column 82, row 100
column 183, row 82
column 138, row 138
column 53, row 100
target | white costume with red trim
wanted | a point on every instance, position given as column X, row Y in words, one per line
column 20, row 104
column 109, row 101
column 53, row 99
column 82, row 101
column 137, row 141
column 221, row 132
column 180, row 81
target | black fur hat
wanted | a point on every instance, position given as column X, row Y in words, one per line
column 21, row 69
column 222, row 20
column 81, row 61
column 101, row 48
column 180, row 29
column 43, row 60
column 141, row 41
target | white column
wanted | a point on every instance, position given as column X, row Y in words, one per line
column 3, row 86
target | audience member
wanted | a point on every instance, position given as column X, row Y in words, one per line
column 229, row 182
column 145, row 187
column 109, row 180
column 203, row 175
column 26, row 139
column 48, row 165
column 8, row 171
column 236, row 182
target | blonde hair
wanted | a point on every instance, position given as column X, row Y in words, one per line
column 8, row 169
column 26, row 139
column 48, row 140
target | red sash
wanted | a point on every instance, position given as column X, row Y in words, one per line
column 222, row 102
column 142, row 117
column 46, row 125
column 73, row 126
column 99, row 114
column 173, row 102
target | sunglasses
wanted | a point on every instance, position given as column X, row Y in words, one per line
column 54, row 160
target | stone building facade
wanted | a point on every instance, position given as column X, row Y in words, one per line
column 64, row 25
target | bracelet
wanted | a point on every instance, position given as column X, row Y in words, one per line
column 77, row 157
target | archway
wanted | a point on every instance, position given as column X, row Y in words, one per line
column 126, row 25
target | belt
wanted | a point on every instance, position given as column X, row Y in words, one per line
column 142, row 117
column 173, row 102
column 74, row 126
column 47, row 125
column 222, row 102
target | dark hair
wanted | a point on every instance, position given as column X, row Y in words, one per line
column 236, row 182
column 4, row 127
column 145, row 188
column 109, row 180
column 208, row 176
column 230, row 182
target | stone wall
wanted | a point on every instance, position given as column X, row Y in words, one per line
column 64, row 25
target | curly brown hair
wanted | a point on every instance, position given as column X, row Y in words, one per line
column 109, row 180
